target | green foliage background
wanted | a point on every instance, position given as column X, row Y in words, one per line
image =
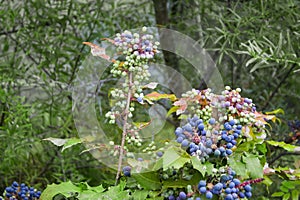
column 254, row 43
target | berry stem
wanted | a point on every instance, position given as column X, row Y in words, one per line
column 124, row 133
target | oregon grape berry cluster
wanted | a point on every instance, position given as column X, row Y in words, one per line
column 21, row 192
column 224, row 185
column 212, row 139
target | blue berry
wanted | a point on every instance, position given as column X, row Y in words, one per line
column 236, row 181
column 234, row 190
column 248, row 194
column 178, row 131
column 126, row 170
column 228, row 197
column 140, row 99
column 209, row 151
column 127, row 173
column 231, row 185
column 234, row 195
column 179, row 139
column 229, row 145
column 159, row 154
column 9, row 189
column 8, row 195
column 247, row 188
column 242, row 195
column 212, row 121
column 229, row 151
column 235, row 135
column 185, row 143
column 218, row 186
column 217, row 152
column 224, row 137
column 172, row 197
column 231, row 122
column 232, row 173
column 202, row 190
column 182, row 195
column 15, row 184
column 201, row 127
column 222, row 149
column 209, row 195
column 202, row 183
column 228, row 191
column 187, row 128
column 208, row 143
column 224, row 178
column 227, row 126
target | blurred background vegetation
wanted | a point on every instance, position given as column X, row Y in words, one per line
column 255, row 45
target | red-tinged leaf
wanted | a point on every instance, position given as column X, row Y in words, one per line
column 264, row 118
column 182, row 105
column 109, row 40
column 98, row 51
column 154, row 96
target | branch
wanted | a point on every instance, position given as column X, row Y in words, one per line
column 126, row 112
column 282, row 154
column 278, row 86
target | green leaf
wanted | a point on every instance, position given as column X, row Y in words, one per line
column 158, row 164
column 253, row 166
column 262, row 148
column 209, row 168
column 66, row 143
column 288, row 184
column 172, row 110
column 244, row 147
column 283, row 189
column 116, row 192
column 277, row 194
column 295, row 195
column 267, row 181
column 286, row 196
column 198, row 165
column 66, row 188
column 140, row 195
column 71, row 142
column 235, row 162
column 148, row 180
column 182, row 183
column 283, row 145
column 175, row 157
column 275, row 112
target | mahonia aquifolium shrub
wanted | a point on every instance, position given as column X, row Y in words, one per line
column 215, row 123
column 21, row 192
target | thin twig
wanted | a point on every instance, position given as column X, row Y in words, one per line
column 126, row 112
